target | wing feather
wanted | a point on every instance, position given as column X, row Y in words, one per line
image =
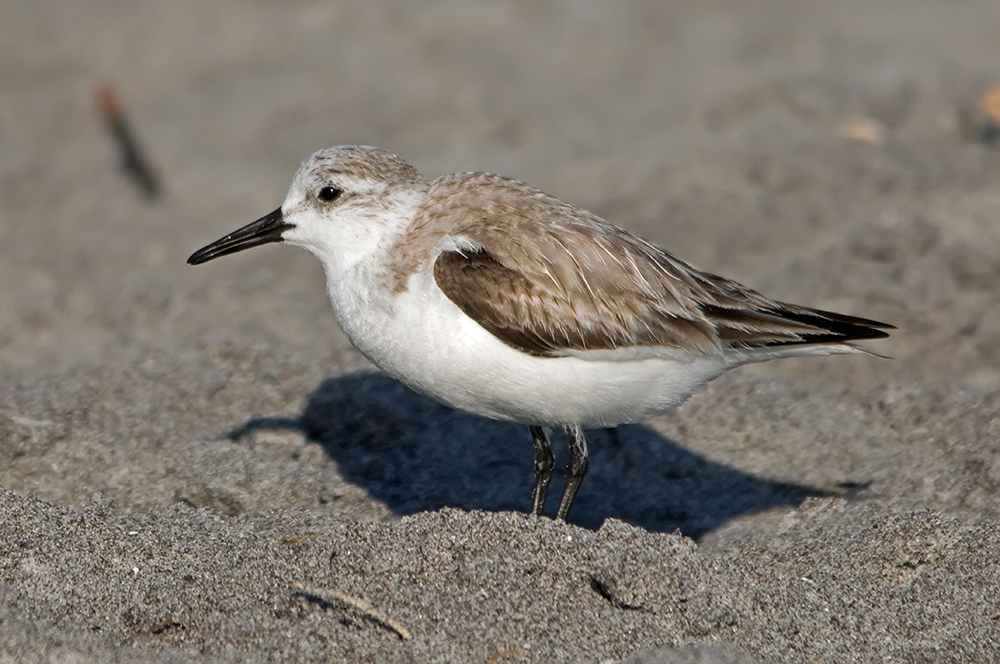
column 563, row 282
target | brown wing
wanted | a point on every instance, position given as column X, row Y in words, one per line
column 548, row 289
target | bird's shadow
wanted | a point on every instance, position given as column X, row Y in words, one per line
column 415, row 454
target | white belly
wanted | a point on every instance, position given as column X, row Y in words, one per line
column 421, row 338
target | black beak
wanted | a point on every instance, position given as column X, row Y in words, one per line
column 264, row 230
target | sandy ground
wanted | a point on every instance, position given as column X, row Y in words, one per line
column 195, row 465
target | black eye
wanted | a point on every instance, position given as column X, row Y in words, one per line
column 327, row 194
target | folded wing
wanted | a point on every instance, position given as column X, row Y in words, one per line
column 585, row 285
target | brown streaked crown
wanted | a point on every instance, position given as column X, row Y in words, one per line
column 365, row 163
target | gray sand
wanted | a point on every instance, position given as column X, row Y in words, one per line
column 195, row 465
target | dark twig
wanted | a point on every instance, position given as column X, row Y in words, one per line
column 134, row 163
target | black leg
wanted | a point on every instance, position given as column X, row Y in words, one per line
column 543, row 469
column 575, row 471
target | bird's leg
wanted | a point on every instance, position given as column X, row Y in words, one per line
column 575, row 471
column 543, row 468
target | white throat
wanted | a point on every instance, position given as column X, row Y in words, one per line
column 355, row 236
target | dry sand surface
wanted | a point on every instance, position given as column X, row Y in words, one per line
column 196, row 466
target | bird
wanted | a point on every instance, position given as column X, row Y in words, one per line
column 497, row 299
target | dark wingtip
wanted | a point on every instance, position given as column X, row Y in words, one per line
column 791, row 325
column 836, row 328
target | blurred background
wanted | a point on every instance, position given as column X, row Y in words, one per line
column 841, row 155
column 834, row 154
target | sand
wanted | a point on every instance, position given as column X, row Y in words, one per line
column 194, row 464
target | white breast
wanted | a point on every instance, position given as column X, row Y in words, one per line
column 421, row 338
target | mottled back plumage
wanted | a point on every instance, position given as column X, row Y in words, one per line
column 549, row 279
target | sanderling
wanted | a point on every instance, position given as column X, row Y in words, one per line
column 500, row 300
